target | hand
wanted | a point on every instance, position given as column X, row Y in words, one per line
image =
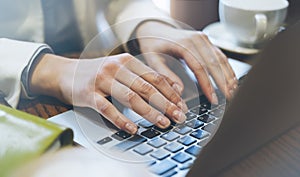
column 87, row 82
column 201, row 56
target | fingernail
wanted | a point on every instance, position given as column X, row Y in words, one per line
column 214, row 98
column 182, row 106
column 163, row 121
column 179, row 116
column 177, row 88
column 130, row 128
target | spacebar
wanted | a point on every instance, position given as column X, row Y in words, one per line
column 130, row 143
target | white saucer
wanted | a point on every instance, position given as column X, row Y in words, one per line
column 220, row 37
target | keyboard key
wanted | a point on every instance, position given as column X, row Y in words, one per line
column 163, row 130
column 222, row 100
column 182, row 129
column 121, row 135
column 162, row 167
column 130, row 143
column 173, row 147
column 203, row 142
column 195, row 110
column 217, row 121
column 199, row 134
column 143, row 149
column 185, row 166
column 104, row 140
column 170, row 136
column 206, row 105
column 217, row 113
column 151, row 133
column 187, row 140
column 181, row 157
column 151, row 162
column 160, row 154
column 193, row 150
column 190, row 116
column 210, row 127
column 195, row 123
column 170, row 173
column 145, row 124
column 206, row 118
column 199, row 110
column 223, row 107
column 158, row 142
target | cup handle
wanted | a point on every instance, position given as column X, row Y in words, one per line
column 261, row 26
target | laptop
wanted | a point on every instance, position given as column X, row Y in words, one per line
column 214, row 136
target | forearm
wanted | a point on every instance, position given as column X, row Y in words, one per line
column 127, row 15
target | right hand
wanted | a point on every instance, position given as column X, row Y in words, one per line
column 87, row 82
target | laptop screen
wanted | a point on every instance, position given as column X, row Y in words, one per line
column 266, row 105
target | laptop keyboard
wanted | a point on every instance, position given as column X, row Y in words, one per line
column 175, row 148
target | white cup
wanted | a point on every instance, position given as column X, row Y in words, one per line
column 252, row 22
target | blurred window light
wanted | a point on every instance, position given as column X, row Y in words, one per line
column 163, row 5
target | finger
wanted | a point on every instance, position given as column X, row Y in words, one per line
column 111, row 113
column 197, row 65
column 160, row 82
column 226, row 67
column 222, row 56
column 216, row 67
column 136, row 87
column 157, row 62
column 230, row 77
column 131, row 99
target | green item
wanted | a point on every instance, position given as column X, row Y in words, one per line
column 24, row 136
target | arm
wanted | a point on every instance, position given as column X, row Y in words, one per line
column 15, row 56
column 126, row 15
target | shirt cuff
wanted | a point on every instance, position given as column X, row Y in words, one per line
column 27, row 71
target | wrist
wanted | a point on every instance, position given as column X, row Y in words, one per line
column 48, row 76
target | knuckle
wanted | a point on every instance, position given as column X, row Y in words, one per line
column 146, row 88
column 174, row 97
column 214, row 63
column 158, row 79
column 126, row 57
column 187, row 44
column 199, row 68
column 103, row 108
column 147, row 112
column 110, row 67
column 101, row 78
column 131, row 96
column 223, row 58
column 169, row 107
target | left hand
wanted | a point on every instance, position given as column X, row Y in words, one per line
column 201, row 56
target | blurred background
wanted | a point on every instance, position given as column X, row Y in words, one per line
column 200, row 13
column 196, row 13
